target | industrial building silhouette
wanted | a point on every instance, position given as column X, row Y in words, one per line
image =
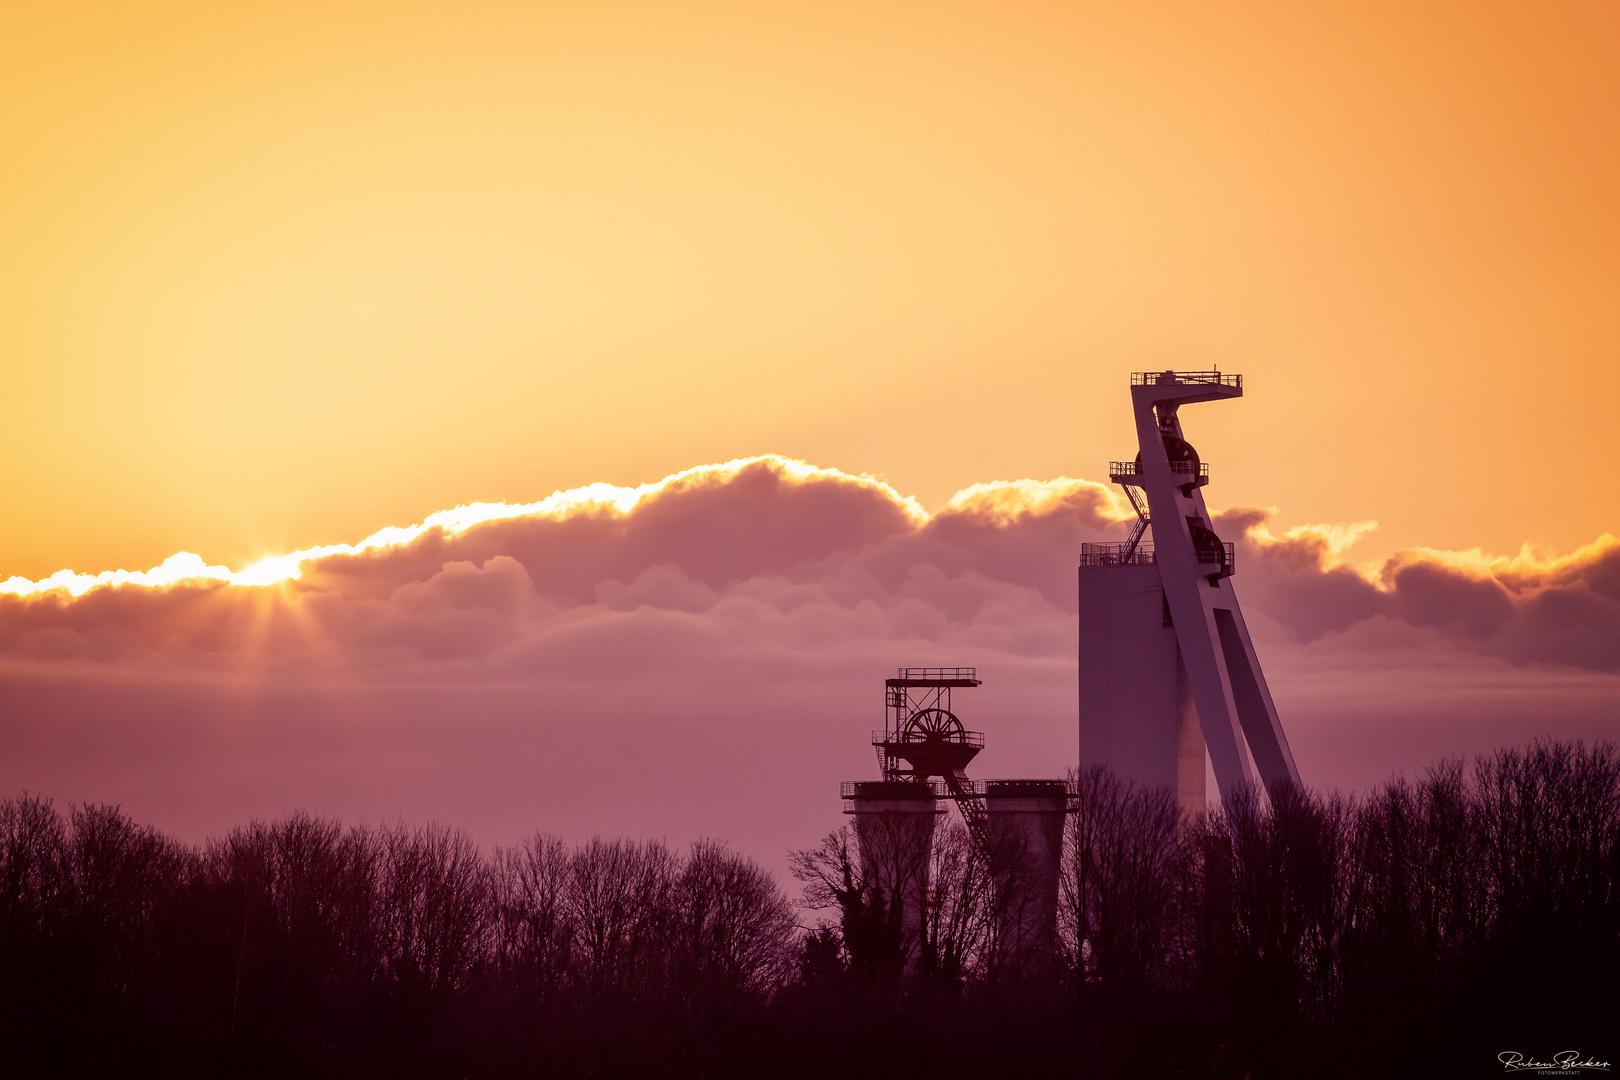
column 1016, row 825
column 1167, row 672
column 1167, row 668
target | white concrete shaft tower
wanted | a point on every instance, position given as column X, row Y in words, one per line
column 1150, row 684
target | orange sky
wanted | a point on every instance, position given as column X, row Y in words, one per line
column 280, row 275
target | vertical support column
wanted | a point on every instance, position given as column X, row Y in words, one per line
column 1026, row 851
column 894, row 827
column 1190, row 749
column 1256, row 711
column 1178, row 565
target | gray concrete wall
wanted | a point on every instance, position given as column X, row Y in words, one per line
column 894, row 827
column 1136, row 706
column 1026, row 839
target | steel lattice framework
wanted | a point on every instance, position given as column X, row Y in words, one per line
column 923, row 738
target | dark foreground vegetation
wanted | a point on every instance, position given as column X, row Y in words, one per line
column 1417, row 930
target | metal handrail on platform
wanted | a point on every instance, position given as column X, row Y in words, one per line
column 846, row 790
column 1120, row 554
column 1194, row 378
column 897, row 738
column 931, row 674
column 1131, row 468
column 1047, row 786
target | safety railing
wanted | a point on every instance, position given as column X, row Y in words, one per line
column 904, row 738
column 938, row 673
column 1030, row 787
column 1185, row 378
column 1117, row 469
column 881, row 789
column 1120, row 554
column 1116, row 554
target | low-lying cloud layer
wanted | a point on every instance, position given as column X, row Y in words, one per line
column 723, row 626
column 1527, row 609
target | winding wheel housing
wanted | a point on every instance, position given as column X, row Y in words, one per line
column 923, row 738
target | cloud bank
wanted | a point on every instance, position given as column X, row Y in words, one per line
column 1531, row 608
column 703, row 655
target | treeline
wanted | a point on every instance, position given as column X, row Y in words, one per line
column 300, row 947
column 1419, row 929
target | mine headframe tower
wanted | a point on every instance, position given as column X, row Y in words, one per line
column 922, row 738
column 1167, row 666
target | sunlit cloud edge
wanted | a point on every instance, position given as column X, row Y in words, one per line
column 598, row 497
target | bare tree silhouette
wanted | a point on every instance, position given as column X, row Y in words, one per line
column 1291, row 933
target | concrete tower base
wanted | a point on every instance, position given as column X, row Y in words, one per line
column 1025, row 819
column 1136, row 704
column 894, row 826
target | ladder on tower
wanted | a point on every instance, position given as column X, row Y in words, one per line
column 971, row 804
column 1139, row 503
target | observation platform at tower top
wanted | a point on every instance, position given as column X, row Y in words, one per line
column 1186, row 378
column 1183, row 387
column 935, row 676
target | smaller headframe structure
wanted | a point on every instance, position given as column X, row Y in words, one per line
column 922, row 737
column 1016, row 825
column 1167, row 667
